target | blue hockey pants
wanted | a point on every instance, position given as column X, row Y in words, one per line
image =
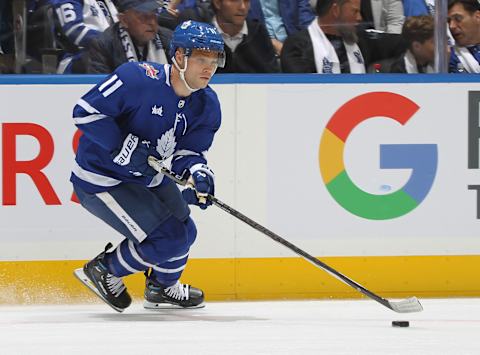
column 156, row 223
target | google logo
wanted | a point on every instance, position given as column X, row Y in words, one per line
column 422, row 159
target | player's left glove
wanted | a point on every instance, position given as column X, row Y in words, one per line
column 201, row 183
column 134, row 156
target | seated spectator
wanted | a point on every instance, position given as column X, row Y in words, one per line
column 464, row 23
column 136, row 37
column 329, row 45
column 418, row 33
column 383, row 15
column 248, row 48
column 79, row 22
column 424, row 8
column 282, row 18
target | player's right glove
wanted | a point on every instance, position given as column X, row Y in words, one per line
column 200, row 184
column 134, row 156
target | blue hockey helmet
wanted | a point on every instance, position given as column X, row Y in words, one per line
column 191, row 35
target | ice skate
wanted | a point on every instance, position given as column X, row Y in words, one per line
column 108, row 287
column 178, row 295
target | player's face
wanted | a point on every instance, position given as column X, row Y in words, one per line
column 142, row 26
column 201, row 67
column 465, row 26
column 232, row 11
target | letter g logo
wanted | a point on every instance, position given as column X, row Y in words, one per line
column 421, row 158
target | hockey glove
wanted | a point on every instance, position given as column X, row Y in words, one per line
column 201, row 183
column 134, row 156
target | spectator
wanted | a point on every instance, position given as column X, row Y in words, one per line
column 282, row 18
column 329, row 45
column 418, row 33
column 136, row 37
column 464, row 23
column 79, row 21
column 248, row 47
column 424, row 8
column 383, row 15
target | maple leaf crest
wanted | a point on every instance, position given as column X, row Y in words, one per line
column 166, row 144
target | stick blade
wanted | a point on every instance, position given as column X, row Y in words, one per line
column 409, row 305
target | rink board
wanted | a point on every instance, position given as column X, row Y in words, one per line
column 34, row 282
column 378, row 178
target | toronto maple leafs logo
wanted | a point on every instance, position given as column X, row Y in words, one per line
column 358, row 57
column 186, row 25
column 157, row 110
column 166, row 144
column 475, row 50
column 150, row 71
column 327, row 66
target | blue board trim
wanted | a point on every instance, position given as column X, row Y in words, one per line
column 262, row 79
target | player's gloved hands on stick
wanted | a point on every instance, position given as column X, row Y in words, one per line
column 134, row 155
column 201, row 183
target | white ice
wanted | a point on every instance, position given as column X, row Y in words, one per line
column 446, row 326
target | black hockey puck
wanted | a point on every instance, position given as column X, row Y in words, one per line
column 400, row 323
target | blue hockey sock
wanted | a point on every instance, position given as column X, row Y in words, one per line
column 124, row 260
column 169, row 272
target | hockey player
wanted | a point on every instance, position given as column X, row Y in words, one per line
column 147, row 109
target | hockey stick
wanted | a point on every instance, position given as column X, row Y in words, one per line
column 408, row 305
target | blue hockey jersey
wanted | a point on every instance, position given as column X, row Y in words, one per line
column 82, row 20
column 139, row 99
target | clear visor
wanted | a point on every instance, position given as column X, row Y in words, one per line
column 208, row 58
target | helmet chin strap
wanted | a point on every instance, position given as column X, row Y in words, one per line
column 182, row 73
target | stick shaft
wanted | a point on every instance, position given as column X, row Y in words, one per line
column 297, row 250
column 265, row 231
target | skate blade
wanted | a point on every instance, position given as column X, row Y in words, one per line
column 167, row 306
column 80, row 275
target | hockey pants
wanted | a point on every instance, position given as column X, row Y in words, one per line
column 156, row 223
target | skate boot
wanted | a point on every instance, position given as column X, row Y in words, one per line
column 108, row 287
column 178, row 295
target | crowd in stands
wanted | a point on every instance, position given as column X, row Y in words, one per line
column 261, row 36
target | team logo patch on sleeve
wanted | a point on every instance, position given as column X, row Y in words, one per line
column 150, row 71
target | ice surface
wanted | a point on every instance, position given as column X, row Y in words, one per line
column 282, row 327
